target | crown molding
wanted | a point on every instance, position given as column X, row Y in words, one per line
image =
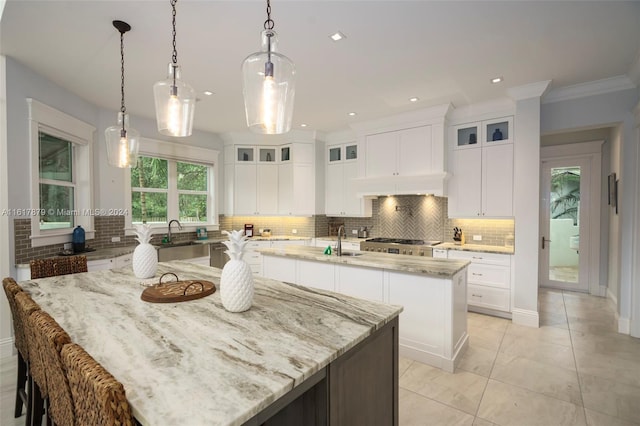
column 527, row 91
column 590, row 88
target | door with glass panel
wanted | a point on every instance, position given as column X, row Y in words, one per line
column 564, row 227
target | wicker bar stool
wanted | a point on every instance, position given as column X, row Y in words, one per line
column 54, row 266
column 51, row 338
column 11, row 288
column 99, row 399
column 37, row 384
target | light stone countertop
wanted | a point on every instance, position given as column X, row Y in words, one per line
column 194, row 362
column 476, row 247
column 395, row 262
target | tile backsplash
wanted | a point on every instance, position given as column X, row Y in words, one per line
column 404, row 216
column 425, row 218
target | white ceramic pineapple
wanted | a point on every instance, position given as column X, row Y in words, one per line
column 236, row 282
column 145, row 256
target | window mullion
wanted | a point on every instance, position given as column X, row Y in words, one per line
column 172, row 196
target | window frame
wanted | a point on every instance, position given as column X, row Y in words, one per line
column 46, row 119
column 173, row 153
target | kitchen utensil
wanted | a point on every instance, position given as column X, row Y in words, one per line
column 363, row 232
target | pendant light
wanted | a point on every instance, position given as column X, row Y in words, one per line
column 122, row 141
column 175, row 100
column 268, row 85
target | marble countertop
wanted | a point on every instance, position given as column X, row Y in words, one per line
column 194, row 361
column 395, row 262
column 476, row 247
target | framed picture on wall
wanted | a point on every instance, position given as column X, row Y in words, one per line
column 612, row 190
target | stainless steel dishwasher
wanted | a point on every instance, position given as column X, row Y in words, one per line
column 217, row 255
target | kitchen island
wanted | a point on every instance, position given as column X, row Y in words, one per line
column 433, row 324
column 298, row 356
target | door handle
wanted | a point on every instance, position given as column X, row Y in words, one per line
column 543, row 241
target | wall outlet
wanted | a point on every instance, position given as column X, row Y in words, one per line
column 294, row 231
column 260, row 230
column 115, row 239
column 477, row 238
column 354, row 231
column 68, row 246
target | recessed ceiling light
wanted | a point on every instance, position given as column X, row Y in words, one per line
column 303, row 125
column 414, row 99
column 337, row 36
column 352, row 113
column 208, row 92
column 495, row 80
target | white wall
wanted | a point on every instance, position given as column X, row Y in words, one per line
column 613, row 222
column 6, row 345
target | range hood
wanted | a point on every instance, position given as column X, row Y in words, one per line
column 434, row 183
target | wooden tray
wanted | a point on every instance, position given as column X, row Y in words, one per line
column 177, row 291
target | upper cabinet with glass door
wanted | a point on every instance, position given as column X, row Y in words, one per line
column 483, row 133
column 267, row 154
column 342, row 152
column 245, row 154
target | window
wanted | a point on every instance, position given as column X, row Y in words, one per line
column 57, row 184
column 165, row 186
column 62, row 177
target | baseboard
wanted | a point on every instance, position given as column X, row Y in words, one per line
column 624, row 325
column 7, row 347
column 525, row 317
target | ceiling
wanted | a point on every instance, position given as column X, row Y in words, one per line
column 437, row 51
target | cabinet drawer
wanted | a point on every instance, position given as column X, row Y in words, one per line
column 481, row 257
column 490, row 275
column 489, row 297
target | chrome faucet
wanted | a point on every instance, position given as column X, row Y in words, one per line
column 179, row 227
column 339, row 243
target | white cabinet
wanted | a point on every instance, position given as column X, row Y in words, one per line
column 399, row 153
column 489, row 279
column 270, row 180
column 340, row 191
column 439, row 253
column 346, row 245
column 296, row 189
column 256, row 188
column 481, row 184
column 360, row 282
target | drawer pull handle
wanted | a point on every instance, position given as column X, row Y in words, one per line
column 476, row 257
column 473, row 273
column 476, row 295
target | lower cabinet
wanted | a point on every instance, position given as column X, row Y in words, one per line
column 112, row 263
column 359, row 388
column 360, row 282
column 489, row 279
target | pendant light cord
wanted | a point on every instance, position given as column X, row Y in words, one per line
column 123, row 109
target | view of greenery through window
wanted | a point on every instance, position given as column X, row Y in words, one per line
column 565, row 193
column 56, row 182
column 151, row 184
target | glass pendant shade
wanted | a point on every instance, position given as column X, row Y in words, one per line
column 122, row 143
column 175, row 104
column 268, row 88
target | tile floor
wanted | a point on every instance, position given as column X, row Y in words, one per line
column 573, row 370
